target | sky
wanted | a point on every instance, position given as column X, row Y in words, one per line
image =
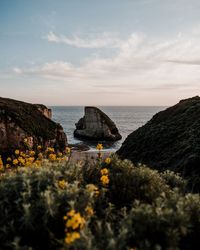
column 100, row 52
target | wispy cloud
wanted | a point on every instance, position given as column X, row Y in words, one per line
column 140, row 64
column 104, row 40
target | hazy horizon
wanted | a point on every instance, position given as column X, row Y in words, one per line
column 100, row 53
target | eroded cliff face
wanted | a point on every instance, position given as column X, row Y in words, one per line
column 96, row 125
column 19, row 120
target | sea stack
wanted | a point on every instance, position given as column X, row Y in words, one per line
column 96, row 126
column 170, row 140
column 20, row 120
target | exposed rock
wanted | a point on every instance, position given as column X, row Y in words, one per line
column 79, row 147
column 96, row 126
column 19, row 120
column 170, row 140
column 45, row 111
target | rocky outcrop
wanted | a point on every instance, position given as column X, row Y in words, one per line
column 45, row 111
column 19, row 120
column 170, row 140
column 96, row 126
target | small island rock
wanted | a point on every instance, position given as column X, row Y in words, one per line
column 96, row 126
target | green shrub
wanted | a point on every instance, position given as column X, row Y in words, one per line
column 139, row 208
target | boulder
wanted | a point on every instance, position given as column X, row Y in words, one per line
column 96, row 126
column 170, row 140
column 19, row 120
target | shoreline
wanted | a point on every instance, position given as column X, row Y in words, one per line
column 88, row 156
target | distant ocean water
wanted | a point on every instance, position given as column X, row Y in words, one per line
column 127, row 119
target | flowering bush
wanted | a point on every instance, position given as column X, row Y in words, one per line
column 107, row 204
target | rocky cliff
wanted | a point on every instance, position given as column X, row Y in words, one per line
column 170, row 140
column 19, row 120
column 45, row 111
column 96, row 125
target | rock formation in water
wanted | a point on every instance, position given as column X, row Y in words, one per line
column 96, row 126
column 19, row 120
column 170, row 140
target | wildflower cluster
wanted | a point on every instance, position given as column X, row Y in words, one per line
column 30, row 157
column 74, row 222
column 99, row 147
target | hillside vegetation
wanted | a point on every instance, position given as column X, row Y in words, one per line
column 105, row 204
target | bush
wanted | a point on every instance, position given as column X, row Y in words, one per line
column 70, row 206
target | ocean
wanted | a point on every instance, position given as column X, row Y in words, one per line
column 127, row 119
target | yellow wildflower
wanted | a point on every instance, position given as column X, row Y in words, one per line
column 71, row 237
column 89, row 211
column 108, row 160
column 15, row 162
column 22, row 154
column 67, row 150
column 62, row 184
column 25, row 140
column 17, row 151
column 39, row 147
column 76, row 221
column 7, row 165
column 9, row 159
column 60, row 154
column 71, row 213
column 93, row 189
column 104, row 171
column 21, row 160
column 31, row 153
column 104, row 179
column 99, row 146
column 49, row 149
column 40, row 155
column 52, row 157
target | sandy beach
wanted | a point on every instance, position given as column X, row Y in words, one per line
column 87, row 155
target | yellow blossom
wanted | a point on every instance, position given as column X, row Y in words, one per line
column 39, row 147
column 67, row 150
column 9, row 159
column 7, row 165
column 104, row 179
column 25, row 140
column 93, row 189
column 17, row 151
column 76, row 221
column 52, row 157
column 31, row 153
column 15, row 162
column 62, row 184
column 71, row 237
column 21, row 160
column 89, row 211
column 22, row 154
column 99, row 146
column 40, row 155
column 104, row 171
column 71, row 213
column 49, row 149
column 60, row 154
column 108, row 160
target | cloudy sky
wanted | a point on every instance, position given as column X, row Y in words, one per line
column 100, row 52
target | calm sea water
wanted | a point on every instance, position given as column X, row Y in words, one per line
column 127, row 120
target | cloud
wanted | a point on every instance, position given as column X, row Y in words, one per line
column 141, row 65
column 105, row 40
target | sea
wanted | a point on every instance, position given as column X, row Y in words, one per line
column 127, row 120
